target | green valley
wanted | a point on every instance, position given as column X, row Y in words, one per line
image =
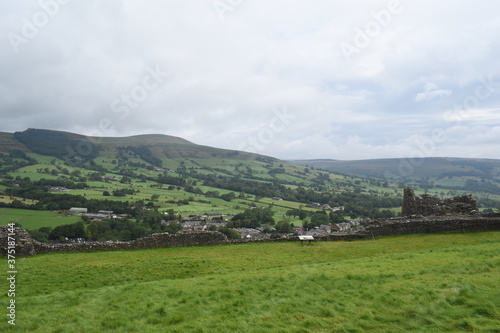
column 153, row 180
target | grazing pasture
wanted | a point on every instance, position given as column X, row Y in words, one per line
column 418, row 283
column 35, row 219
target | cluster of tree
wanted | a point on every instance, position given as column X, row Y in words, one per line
column 19, row 181
column 122, row 192
column 112, row 229
column 276, row 171
column 283, row 227
column 170, row 180
column 228, row 196
column 47, row 183
column 179, row 202
column 212, row 194
column 301, row 214
column 123, row 162
column 192, row 189
column 230, row 233
column 116, row 229
column 60, row 233
column 252, row 218
column 14, row 160
column 7, row 165
column 488, row 202
column 16, row 153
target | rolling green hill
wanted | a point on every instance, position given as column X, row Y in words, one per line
column 69, row 145
column 53, row 170
column 169, row 173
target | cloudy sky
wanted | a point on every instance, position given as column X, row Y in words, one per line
column 288, row 78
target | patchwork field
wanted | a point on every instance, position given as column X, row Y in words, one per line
column 421, row 283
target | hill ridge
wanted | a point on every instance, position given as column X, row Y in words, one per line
column 411, row 169
column 62, row 144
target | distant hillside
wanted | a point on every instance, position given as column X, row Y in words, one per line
column 8, row 143
column 432, row 167
column 473, row 174
column 152, row 148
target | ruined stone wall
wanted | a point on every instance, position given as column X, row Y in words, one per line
column 22, row 239
column 427, row 205
column 409, row 202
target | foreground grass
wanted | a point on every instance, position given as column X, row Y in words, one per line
column 424, row 283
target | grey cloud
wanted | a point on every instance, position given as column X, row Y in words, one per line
column 227, row 76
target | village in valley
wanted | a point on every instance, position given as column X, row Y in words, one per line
column 215, row 221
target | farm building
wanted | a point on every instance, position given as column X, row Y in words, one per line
column 78, row 210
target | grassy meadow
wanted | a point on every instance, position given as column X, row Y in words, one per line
column 34, row 219
column 418, row 283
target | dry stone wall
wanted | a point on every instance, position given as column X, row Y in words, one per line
column 26, row 246
column 434, row 224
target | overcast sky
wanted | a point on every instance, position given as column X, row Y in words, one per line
column 291, row 79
